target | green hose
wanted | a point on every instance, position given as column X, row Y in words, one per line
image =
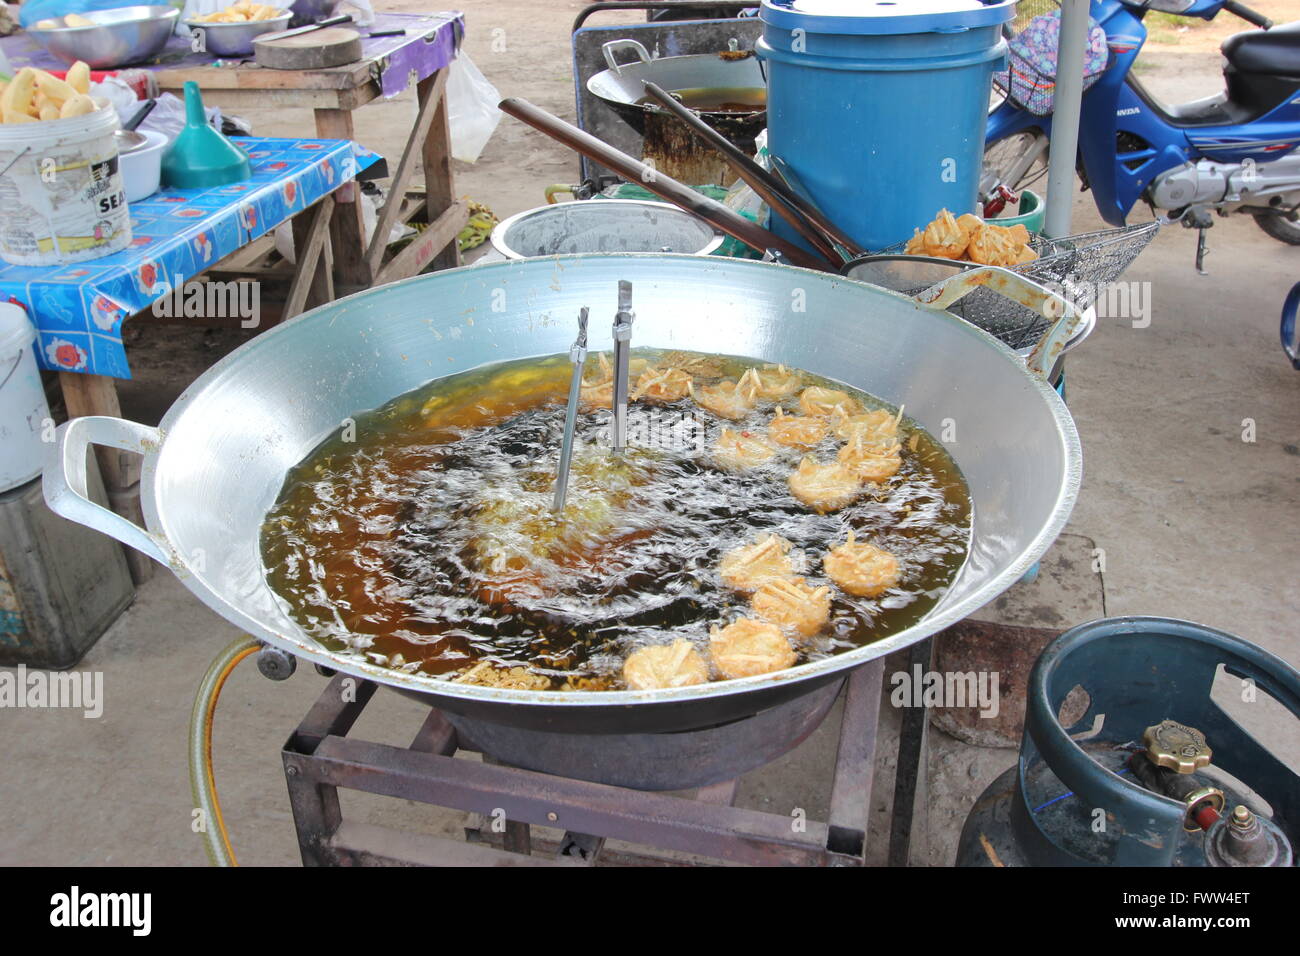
column 202, row 785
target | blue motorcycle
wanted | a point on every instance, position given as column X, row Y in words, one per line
column 1231, row 152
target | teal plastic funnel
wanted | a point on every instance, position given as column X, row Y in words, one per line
column 201, row 157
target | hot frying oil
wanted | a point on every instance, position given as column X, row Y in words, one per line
column 423, row 538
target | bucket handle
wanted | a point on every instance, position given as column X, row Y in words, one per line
column 1064, row 317
column 636, row 47
column 64, row 481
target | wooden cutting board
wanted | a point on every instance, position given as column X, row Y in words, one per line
column 314, row 50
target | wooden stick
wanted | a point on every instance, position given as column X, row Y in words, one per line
column 633, row 170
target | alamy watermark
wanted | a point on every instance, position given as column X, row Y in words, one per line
column 39, row 690
column 954, row 689
column 210, row 300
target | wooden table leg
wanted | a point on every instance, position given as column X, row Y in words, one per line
column 346, row 230
column 439, row 180
column 97, row 395
column 313, row 282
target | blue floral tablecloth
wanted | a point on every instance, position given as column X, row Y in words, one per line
column 78, row 309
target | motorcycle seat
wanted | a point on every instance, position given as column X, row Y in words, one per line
column 1275, row 52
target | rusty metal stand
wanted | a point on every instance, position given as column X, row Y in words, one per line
column 319, row 758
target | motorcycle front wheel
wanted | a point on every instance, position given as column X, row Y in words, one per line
column 1015, row 162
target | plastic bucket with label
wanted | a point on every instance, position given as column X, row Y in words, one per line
column 61, row 191
column 23, row 410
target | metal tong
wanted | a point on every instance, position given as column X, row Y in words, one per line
column 622, row 358
column 578, row 356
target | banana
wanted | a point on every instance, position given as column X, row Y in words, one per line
column 79, row 77
column 79, row 105
column 18, row 94
column 55, row 90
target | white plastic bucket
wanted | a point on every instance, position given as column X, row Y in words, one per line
column 23, row 410
column 61, row 191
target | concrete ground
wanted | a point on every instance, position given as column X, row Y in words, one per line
column 1193, row 518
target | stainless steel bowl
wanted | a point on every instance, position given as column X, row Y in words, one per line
column 603, row 225
column 235, row 39
column 311, row 11
column 119, row 37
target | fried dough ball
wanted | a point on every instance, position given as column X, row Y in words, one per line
column 662, row 385
column 860, row 568
column 794, row 604
column 748, row 567
column 776, row 382
column 729, row 399
column 871, row 461
column 815, row 400
column 876, row 426
column 797, row 431
column 741, row 450
column 677, row 664
column 748, row 647
column 824, row 487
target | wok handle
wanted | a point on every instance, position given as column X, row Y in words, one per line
column 633, row 45
column 64, row 479
column 1065, row 318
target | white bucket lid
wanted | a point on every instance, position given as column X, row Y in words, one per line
column 16, row 330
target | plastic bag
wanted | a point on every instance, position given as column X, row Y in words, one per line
column 168, row 116
column 472, row 109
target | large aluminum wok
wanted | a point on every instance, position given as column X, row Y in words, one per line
column 622, row 86
column 218, row 459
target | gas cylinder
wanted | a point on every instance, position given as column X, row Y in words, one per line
column 1126, row 760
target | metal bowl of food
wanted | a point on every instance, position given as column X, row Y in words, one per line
column 235, row 37
column 106, row 39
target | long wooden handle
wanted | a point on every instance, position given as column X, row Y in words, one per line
column 809, row 222
column 635, row 171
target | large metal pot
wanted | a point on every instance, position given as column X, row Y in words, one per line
column 217, row 460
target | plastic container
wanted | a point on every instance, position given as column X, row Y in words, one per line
column 1030, row 213
column 61, row 192
column 142, row 167
column 201, row 157
column 23, row 409
column 879, row 108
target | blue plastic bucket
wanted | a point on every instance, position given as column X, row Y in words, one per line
column 878, row 108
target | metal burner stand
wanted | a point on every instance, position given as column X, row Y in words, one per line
column 319, row 758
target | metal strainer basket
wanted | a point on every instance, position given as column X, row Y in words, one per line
column 1077, row 266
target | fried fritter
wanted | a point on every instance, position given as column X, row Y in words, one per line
column 677, row 664
column 871, row 461
column 794, row 604
column 861, row 568
column 748, row 647
column 741, row 450
column 815, row 400
column 797, row 431
column 748, row 567
column 824, row 487
column 729, row 399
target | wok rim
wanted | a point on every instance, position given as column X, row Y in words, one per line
column 308, row 649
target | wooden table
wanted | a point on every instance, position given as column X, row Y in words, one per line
column 333, row 94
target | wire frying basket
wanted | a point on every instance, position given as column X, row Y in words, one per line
column 1078, row 267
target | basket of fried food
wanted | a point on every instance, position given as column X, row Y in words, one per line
column 950, row 244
